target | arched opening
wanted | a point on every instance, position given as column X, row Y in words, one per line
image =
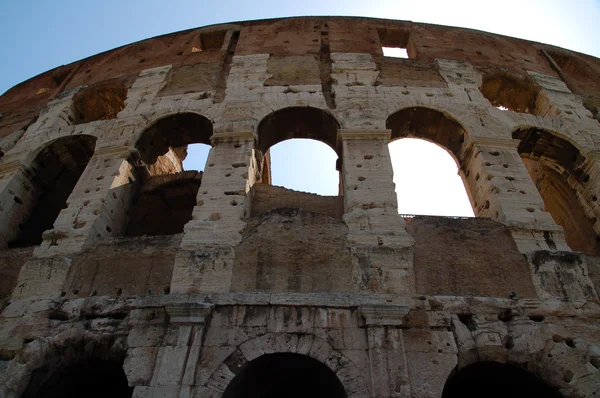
column 51, row 179
column 167, row 191
column 304, row 165
column 93, row 378
column 554, row 165
column 423, row 173
column 496, row 380
column 285, row 375
column 509, row 93
column 294, row 160
column 100, row 102
column 426, row 174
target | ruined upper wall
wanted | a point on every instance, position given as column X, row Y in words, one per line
column 294, row 46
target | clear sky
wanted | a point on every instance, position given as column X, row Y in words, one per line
column 37, row 35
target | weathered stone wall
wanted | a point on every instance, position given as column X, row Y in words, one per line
column 268, row 197
column 387, row 306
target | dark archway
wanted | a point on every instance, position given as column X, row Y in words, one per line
column 430, row 125
column 496, row 380
column 298, row 122
column 167, row 193
column 91, row 378
column 508, row 92
column 285, row 375
column 554, row 165
column 53, row 175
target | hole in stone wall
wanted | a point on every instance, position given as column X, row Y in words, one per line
column 284, row 375
column 209, row 41
column 395, row 52
column 394, row 43
column 509, row 93
column 498, row 380
column 53, row 175
column 99, row 102
column 196, row 157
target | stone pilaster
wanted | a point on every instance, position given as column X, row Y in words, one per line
column 97, row 206
column 222, row 201
column 164, row 349
column 501, row 188
column 587, row 184
column 370, row 204
column 387, row 359
column 17, row 197
column 371, row 214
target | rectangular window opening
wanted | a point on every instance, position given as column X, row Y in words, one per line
column 209, row 41
column 395, row 52
column 394, row 42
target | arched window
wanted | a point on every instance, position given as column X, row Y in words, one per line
column 285, row 375
column 298, row 150
column 304, row 165
column 168, row 192
column 426, row 174
column 496, row 380
column 51, row 178
column 553, row 164
column 509, row 93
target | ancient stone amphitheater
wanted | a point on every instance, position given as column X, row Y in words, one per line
column 124, row 275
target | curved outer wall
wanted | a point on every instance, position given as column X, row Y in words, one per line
column 393, row 306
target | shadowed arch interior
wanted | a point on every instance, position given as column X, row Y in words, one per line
column 496, row 380
column 510, row 92
column 92, row 378
column 173, row 132
column 167, row 193
column 554, row 165
column 298, row 122
column 430, row 125
column 285, row 375
column 53, row 175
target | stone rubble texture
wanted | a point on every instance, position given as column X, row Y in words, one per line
column 393, row 306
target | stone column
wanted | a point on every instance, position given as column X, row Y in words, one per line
column 222, row 201
column 371, row 214
column 98, row 205
column 370, row 204
column 501, row 188
column 217, row 221
column 16, row 196
column 164, row 349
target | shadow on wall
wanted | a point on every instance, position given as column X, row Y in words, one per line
column 51, row 179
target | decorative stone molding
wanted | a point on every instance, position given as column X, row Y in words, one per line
column 383, row 315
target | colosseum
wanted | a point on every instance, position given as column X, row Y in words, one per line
column 124, row 275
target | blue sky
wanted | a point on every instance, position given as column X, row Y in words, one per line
column 36, row 36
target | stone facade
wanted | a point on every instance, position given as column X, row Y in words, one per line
column 122, row 274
